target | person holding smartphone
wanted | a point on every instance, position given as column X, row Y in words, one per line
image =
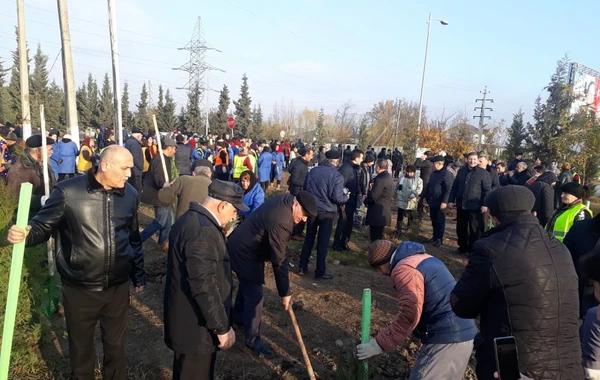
column 522, row 282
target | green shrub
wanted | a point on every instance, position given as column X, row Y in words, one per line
column 28, row 323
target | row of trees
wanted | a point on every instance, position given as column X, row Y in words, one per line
column 558, row 134
column 95, row 105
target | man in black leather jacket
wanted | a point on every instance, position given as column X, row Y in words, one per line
column 95, row 217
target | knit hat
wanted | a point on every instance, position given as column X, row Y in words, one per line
column 508, row 199
column 574, row 189
column 333, row 154
column 380, row 252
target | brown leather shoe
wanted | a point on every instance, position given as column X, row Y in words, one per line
column 164, row 247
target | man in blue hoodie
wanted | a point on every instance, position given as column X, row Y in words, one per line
column 423, row 284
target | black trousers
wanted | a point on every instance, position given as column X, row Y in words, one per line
column 194, row 366
column 83, row 309
column 438, row 222
column 222, row 176
column 376, row 232
column 136, row 182
column 345, row 223
column 468, row 228
column 318, row 229
column 411, row 215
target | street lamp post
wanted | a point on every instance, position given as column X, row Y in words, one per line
column 443, row 22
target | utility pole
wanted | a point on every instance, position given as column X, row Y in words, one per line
column 482, row 115
column 197, row 67
column 114, row 50
column 68, row 75
column 23, row 70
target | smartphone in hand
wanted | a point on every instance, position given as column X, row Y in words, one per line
column 507, row 360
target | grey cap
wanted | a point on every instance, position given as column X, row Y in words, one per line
column 228, row 192
column 167, row 142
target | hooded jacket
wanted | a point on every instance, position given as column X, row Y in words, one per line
column 423, row 285
column 522, row 282
column 254, row 196
column 544, row 196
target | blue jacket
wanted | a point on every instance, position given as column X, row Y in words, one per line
column 67, row 152
column 53, row 161
column 438, row 323
column 327, row 185
column 279, row 159
column 254, row 198
column 264, row 166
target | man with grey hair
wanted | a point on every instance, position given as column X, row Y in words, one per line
column 519, row 176
column 186, row 189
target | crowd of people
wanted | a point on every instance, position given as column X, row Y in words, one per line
column 532, row 244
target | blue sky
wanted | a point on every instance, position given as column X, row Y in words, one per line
column 320, row 53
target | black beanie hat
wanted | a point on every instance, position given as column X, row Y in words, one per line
column 574, row 189
column 509, row 198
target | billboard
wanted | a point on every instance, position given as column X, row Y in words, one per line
column 586, row 86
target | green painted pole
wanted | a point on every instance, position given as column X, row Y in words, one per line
column 14, row 283
column 365, row 334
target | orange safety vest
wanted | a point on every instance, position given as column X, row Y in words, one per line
column 219, row 161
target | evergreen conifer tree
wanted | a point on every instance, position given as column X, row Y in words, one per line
column 517, row 134
column 243, row 112
column 106, row 105
column 218, row 120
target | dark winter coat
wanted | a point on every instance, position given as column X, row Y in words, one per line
column 183, row 158
column 98, row 232
column 503, row 179
column 327, row 185
column 27, row 169
column 263, row 236
column 470, row 188
column 155, row 180
column 581, row 239
column 379, row 200
column 351, row 173
column 197, row 301
column 494, row 180
column 321, row 157
column 426, row 168
column 298, row 171
column 544, row 196
column 513, row 164
column 519, row 178
column 438, row 189
column 522, row 282
column 135, row 148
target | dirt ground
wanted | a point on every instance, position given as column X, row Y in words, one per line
column 329, row 318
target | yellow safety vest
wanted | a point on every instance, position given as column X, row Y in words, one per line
column 253, row 163
column 238, row 166
column 84, row 165
column 146, row 162
column 565, row 221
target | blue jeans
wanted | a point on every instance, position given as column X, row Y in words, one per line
column 163, row 220
column 247, row 311
column 323, row 223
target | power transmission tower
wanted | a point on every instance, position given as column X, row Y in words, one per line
column 197, row 67
column 482, row 115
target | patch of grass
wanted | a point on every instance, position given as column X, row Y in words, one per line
column 349, row 367
column 350, row 258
